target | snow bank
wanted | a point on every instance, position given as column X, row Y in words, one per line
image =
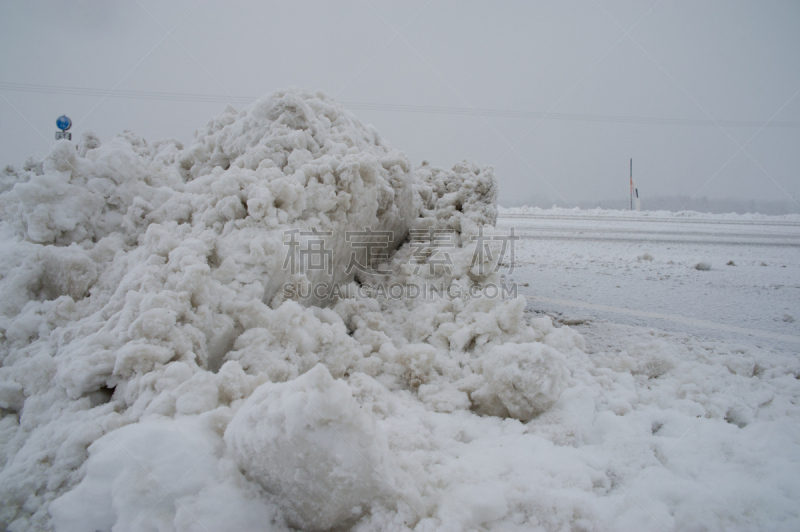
column 162, row 370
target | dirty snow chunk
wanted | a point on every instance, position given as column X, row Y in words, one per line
column 461, row 199
column 645, row 256
column 309, row 442
column 12, row 396
column 67, row 271
column 702, row 266
column 522, row 380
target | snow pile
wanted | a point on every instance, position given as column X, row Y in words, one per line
column 162, row 368
column 145, row 283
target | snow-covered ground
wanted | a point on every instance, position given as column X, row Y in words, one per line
column 162, row 371
column 629, row 283
column 640, row 269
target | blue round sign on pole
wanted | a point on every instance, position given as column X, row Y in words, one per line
column 63, row 123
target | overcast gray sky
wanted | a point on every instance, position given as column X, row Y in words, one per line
column 725, row 61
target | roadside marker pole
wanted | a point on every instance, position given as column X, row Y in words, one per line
column 631, row 183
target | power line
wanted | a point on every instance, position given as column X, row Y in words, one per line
column 425, row 109
column 138, row 95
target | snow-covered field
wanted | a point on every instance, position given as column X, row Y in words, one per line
column 162, row 371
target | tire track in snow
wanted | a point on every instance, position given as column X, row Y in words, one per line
column 684, row 320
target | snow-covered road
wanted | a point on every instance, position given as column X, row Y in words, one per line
column 638, row 269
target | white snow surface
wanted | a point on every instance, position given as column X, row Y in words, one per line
column 156, row 377
column 563, row 212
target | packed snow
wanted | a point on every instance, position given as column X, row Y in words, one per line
column 642, row 269
column 169, row 364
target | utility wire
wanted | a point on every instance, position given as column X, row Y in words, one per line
column 426, row 109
